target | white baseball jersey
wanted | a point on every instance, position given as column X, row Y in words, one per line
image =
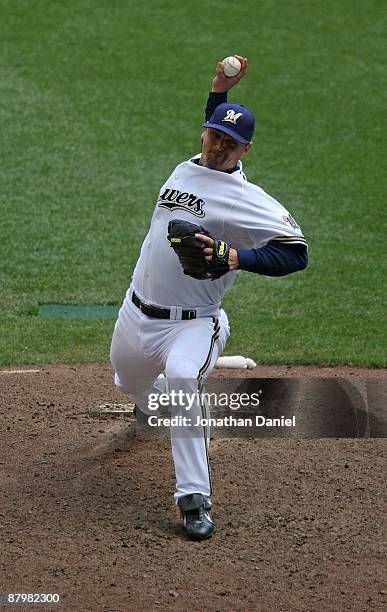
column 230, row 208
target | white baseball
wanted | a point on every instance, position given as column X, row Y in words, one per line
column 231, row 66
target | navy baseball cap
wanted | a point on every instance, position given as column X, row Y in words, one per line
column 236, row 120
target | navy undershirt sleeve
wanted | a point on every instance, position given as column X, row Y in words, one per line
column 214, row 99
column 274, row 259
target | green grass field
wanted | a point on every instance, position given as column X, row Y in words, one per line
column 100, row 99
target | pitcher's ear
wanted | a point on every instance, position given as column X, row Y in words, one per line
column 247, row 149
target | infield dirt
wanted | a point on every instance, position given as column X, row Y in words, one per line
column 87, row 508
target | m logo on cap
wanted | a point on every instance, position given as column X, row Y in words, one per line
column 232, row 116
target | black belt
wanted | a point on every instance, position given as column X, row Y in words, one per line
column 160, row 313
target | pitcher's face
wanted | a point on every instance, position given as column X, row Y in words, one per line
column 220, row 151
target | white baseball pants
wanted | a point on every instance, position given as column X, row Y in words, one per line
column 186, row 352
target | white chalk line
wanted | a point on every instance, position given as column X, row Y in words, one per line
column 19, row 371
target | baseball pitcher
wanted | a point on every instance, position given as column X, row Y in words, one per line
column 209, row 221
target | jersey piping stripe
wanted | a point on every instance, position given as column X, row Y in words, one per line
column 214, row 337
column 205, row 436
column 288, row 239
column 202, row 371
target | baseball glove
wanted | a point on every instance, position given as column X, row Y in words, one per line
column 190, row 251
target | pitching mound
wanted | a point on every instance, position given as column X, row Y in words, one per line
column 87, row 509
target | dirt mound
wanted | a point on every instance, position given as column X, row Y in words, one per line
column 87, row 509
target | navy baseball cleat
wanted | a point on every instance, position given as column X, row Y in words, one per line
column 196, row 517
